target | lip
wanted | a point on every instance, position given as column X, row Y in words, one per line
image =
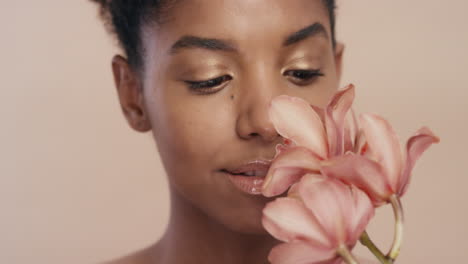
column 249, row 184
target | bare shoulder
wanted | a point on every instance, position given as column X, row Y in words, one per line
column 144, row 256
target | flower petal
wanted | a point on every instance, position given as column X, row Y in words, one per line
column 287, row 219
column 288, row 166
column 320, row 112
column 328, row 200
column 296, row 120
column 415, row 147
column 297, row 157
column 362, row 172
column 360, row 146
column 362, row 212
column 384, row 146
column 350, row 132
column 280, row 180
column 335, row 114
column 343, row 211
column 294, row 190
column 300, row 252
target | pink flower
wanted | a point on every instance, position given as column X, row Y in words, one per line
column 312, row 136
column 320, row 217
column 380, row 168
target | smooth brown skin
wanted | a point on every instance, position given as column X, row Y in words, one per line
column 198, row 134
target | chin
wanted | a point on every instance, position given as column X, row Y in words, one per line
column 247, row 220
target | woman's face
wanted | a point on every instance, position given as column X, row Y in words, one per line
column 260, row 49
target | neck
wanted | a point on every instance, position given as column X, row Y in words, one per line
column 194, row 237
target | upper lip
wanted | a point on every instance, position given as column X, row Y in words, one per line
column 257, row 167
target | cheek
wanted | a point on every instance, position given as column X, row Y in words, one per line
column 318, row 94
column 329, row 85
column 190, row 132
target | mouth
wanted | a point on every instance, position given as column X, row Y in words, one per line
column 248, row 177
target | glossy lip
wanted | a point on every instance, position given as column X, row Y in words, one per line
column 249, row 184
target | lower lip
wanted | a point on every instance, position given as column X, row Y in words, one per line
column 248, row 184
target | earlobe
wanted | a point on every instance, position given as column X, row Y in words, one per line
column 130, row 94
column 339, row 51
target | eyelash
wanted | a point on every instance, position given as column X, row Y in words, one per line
column 204, row 86
column 307, row 75
column 208, row 84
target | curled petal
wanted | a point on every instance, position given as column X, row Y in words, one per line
column 287, row 168
column 415, row 147
column 300, row 252
column 296, row 120
column 384, row 146
column 362, row 172
column 280, row 180
column 335, row 114
column 320, row 112
column 287, row 219
column 297, row 157
column 279, row 149
column 360, row 146
column 350, row 132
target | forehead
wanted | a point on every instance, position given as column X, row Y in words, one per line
column 247, row 23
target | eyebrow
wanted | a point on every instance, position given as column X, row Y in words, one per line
column 204, row 43
column 189, row 41
column 307, row 32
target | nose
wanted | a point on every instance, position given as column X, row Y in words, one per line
column 253, row 122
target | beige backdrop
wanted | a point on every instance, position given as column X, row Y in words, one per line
column 78, row 186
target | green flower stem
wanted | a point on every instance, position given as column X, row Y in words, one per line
column 366, row 241
column 347, row 256
column 398, row 237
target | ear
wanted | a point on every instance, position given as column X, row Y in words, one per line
column 339, row 50
column 130, row 94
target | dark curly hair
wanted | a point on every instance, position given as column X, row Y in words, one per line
column 125, row 18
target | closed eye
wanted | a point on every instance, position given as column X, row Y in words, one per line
column 204, row 86
column 301, row 77
column 304, row 77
